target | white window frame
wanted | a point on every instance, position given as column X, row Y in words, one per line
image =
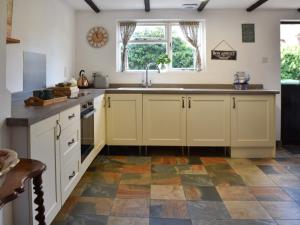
column 168, row 41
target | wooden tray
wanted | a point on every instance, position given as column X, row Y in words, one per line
column 34, row 101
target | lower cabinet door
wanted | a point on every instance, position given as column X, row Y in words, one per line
column 164, row 120
column 124, row 119
column 45, row 148
column 253, row 121
column 99, row 122
column 208, row 120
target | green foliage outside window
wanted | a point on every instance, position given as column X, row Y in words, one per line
column 290, row 63
column 141, row 54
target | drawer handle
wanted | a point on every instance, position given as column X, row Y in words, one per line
column 71, row 142
column 72, row 175
column 108, row 102
column 183, row 102
column 71, row 116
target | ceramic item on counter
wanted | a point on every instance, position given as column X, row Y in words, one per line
column 8, row 160
column 82, row 81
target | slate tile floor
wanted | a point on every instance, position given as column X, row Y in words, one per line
column 180, row 190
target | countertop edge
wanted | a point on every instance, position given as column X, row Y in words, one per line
column 22, row 121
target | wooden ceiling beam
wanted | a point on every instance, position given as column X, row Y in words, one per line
column 202, row 5
column 147, row 5
column 256, row 5
column 92, row 4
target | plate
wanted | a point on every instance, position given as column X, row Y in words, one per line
column 8, row 160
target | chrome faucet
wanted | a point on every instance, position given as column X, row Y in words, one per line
column 147, row 82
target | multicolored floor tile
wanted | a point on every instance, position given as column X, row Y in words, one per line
column 194, row 193
column 246, row 210
column 169, row 209
column 181, row 190
column 131, row 208
column 167, row 192
column 133, row 191
column 282, row 210
column 269, row 194
column 236, row 193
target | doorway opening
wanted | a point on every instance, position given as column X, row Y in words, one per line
column 290, row 84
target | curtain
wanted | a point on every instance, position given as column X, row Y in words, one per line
column 126, row 31
column 191, row 31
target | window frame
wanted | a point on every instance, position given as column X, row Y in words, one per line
column 168, row 41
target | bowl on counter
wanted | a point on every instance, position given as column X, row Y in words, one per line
column 8, row 160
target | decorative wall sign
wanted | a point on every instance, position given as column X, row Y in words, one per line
column 223, row 54
column 248, row 33
column 97, row 37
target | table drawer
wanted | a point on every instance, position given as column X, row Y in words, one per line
column 69, row 176
column 69, row 116
column 70, row 142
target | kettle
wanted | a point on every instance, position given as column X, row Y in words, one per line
column 82, row 81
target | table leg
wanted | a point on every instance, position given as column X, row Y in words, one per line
column 39, row 200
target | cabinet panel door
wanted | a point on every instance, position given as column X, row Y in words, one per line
column 253, row 121
column 164, row 118
column 208, row 120
column 45, row 148
column 124, row 119
column 99, row 122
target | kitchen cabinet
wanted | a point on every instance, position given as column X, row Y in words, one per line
column 99, row 122
column 44, row 146
column 124, row 119
column 208, row 120
column 70, row 150
column 164, row 120
column 253, row 121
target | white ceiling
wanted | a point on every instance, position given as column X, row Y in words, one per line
column 177, row 4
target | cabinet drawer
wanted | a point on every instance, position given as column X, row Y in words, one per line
column 69, row 176
column 70, row 142
column 69, row 116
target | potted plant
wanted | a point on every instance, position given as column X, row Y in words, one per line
column 162, row 61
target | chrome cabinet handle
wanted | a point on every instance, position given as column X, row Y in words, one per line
column 183, row 102
column 71, row 142
column 71, row 116
column 72, row 175
column 234, row 103
column 59, row 126
column 190, row 103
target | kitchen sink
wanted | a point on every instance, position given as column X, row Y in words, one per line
column 150, row 88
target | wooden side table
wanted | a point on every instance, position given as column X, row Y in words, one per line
column 13, row 185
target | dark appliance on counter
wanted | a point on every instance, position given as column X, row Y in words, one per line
column 87, row 112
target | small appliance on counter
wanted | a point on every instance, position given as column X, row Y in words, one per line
column 100, row 81
column 241, row 81
column 82, row 81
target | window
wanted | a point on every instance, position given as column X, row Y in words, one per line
column 152, row 39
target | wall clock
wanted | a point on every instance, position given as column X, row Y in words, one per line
column 97, row 37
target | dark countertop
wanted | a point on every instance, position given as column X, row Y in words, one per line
column 25, row 116
column 189, row 91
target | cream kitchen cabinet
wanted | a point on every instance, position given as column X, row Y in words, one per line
column 124, row 119
column 208, row 120
column 99, row 122
column 164, row 120
column 55, row 141
column 253, row 125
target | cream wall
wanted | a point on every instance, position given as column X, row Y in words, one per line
column 46, row 27
column 5, row 213
column 220, row 24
